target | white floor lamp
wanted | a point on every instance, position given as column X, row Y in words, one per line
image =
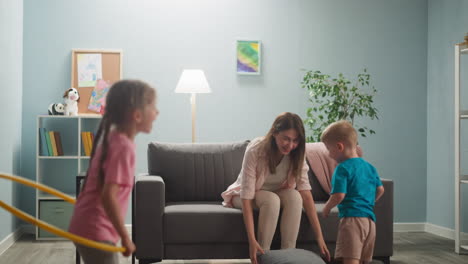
column 193, row 82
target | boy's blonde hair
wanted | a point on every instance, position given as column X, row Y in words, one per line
column 340, row 131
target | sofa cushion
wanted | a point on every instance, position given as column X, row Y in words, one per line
column 205, row 222
column 290, row 256
column 202, row 222
column 329, row 225
column 196, row 172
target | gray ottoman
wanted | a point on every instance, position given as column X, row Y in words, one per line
column 290, row 256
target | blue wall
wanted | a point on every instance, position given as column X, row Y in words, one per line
column 160, row 38
column 11, row 67
column 448, row 23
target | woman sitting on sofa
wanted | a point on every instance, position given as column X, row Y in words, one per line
column 274, row 176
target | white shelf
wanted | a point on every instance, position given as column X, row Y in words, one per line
column 460, row 50
column 51, row 197
column 58, row 157
column 464, row 114
column 78, row 116
column 63, row 176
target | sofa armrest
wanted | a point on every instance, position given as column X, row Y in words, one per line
column 149, row 202
column 384, row 225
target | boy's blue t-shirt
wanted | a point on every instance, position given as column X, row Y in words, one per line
column 358, row 179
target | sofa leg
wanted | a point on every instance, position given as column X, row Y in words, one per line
column 385, row 260
column 148, row 261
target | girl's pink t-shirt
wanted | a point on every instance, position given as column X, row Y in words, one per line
column 89, row 217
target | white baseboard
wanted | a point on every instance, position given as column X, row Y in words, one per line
column 409, row 227
column 426, row 227
column 440, row 231
column 10, row 239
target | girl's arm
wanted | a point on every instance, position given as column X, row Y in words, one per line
column 311, row 211
column 247, row 213
column 111, row 206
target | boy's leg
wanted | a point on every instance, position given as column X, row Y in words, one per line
column 291, row 203
column 369, row 242
column 351, row 236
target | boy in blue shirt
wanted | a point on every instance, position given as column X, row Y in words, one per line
column 356, row 187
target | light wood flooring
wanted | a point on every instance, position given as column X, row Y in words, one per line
column 409, row 248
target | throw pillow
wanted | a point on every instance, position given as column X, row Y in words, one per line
column 290, row 256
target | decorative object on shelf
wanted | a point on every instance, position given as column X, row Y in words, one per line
column 248, row 57
column 193, row 82
column 56, row 109
column 72, row 97
column 336, row 99
column 97, row 101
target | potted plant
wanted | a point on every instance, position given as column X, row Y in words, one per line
column 336, row 99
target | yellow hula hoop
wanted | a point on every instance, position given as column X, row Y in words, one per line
column 39, row 187
column 48, row 227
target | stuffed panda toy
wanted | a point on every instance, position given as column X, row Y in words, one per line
column 56, row 109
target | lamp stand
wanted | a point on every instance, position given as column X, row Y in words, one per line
column 193, row 103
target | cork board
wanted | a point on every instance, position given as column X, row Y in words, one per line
column 111, row 72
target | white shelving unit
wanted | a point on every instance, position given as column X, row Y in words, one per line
column 461, row 242
column 60, row 172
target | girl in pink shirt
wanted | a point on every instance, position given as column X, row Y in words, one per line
column 274, row 176
column 102, row 204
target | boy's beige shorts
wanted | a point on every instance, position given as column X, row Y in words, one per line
column 356, row 238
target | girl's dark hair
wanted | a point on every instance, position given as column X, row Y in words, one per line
column 286, row 121
column 123, row 98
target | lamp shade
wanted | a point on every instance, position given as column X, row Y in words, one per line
column 193, row 81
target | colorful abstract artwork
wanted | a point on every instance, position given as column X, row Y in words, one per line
column 98, row 96
column 248, row 56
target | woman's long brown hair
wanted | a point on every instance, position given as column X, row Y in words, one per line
column 286, row 121
column 123, row 98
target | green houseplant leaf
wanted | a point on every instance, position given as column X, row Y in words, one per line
column 334, row 99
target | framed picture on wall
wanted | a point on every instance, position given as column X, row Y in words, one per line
column 248, row 57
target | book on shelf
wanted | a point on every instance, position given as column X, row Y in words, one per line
column 44, row 149
column 58, row 142
column 90, row 142
column 52, row 142
column 49, row 145
column 84, row 141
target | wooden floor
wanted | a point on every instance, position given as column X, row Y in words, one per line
column 409, row 248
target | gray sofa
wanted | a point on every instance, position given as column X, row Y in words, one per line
column 177, row 211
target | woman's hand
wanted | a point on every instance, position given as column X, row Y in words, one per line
column 323, row 249
column 254, row 247
column 127, row 243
